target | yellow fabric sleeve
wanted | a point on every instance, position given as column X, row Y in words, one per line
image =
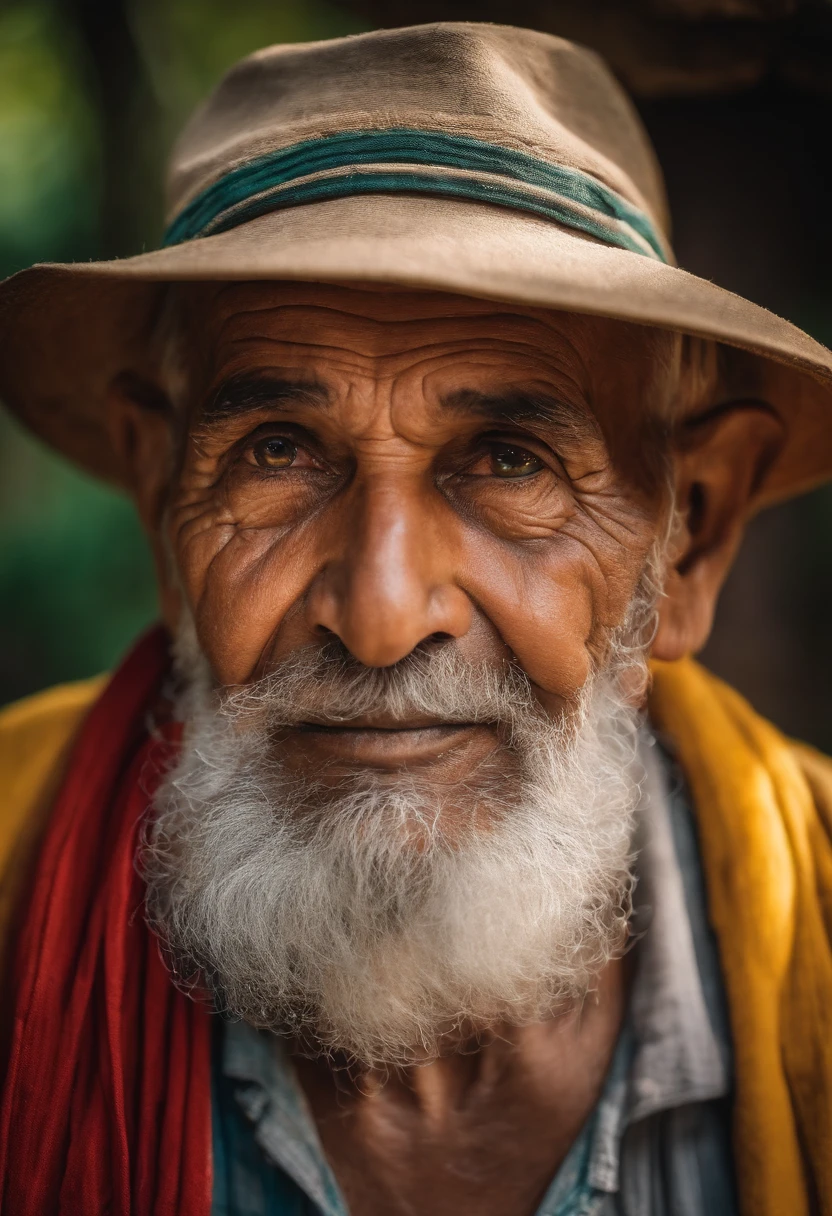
column 36, row 736
column 762, row 807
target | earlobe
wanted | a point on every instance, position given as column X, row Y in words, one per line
column 719, row 462
column 685, row 612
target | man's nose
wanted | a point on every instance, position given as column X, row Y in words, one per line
column 391, row 586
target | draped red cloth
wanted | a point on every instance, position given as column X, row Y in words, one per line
column 107, row 1101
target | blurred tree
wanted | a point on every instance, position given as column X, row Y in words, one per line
column 128, row 121
column 50, row 160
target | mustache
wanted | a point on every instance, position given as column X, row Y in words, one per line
column 327, row 684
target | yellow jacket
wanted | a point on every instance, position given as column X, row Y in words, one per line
column 764, row 810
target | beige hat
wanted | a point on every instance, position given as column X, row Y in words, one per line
column 479, row 159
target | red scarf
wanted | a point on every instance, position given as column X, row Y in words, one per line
column 107, row 1100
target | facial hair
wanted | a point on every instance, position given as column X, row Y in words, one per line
column 350, row 915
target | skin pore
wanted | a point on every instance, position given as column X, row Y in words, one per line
column 399, row 469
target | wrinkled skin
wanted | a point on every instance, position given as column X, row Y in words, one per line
column 396, row 469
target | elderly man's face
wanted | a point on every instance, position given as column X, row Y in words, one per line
column 397, row 470
column 414, row 535
column 410, row 548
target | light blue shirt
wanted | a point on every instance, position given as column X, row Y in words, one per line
column 658, row 1141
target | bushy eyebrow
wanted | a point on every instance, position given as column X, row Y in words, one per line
column 527, row 408
column 247, row 393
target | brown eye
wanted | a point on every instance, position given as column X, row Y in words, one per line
column 275, row 453
column 508, row 461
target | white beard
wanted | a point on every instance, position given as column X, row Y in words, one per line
column 350, row 915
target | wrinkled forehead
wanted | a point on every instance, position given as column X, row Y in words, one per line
column 381, row 322
column 623, row 374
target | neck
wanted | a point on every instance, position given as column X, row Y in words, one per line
column 541, row 1080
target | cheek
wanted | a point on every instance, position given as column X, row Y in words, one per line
column 542, row 600
column 556, row 602
column 243, row 583
column 243, row 547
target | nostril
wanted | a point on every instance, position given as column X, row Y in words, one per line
column 431, row 641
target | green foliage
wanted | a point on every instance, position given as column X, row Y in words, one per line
column 188, row 44
column 48, row 153
column 76, row 579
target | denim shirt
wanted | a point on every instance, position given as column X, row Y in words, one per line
column 658, row 1140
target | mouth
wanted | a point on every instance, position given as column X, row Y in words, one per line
column 369, row 744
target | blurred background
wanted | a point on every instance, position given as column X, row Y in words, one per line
column 737, row 96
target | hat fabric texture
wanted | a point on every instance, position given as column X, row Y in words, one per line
column 478, row 159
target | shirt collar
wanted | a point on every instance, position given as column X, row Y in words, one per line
column 269, row 1094
column 678, row 1042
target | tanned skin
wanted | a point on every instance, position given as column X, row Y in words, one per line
column 395, row 468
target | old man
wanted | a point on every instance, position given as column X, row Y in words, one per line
column 377, row 880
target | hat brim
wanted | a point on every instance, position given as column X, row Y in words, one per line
column 67, row 329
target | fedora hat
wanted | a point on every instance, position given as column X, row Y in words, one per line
column 478, row 159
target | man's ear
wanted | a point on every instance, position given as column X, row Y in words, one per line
column 140, row 422
column 719, row 461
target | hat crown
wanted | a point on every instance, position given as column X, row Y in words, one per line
column 515, row 88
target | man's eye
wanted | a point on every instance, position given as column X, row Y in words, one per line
column 507, row 461
column 275, row 453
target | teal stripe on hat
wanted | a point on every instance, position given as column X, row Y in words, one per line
column 263, row 184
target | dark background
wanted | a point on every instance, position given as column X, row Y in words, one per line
column 737, row 96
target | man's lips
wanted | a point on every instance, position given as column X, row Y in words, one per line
column 368, row 743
